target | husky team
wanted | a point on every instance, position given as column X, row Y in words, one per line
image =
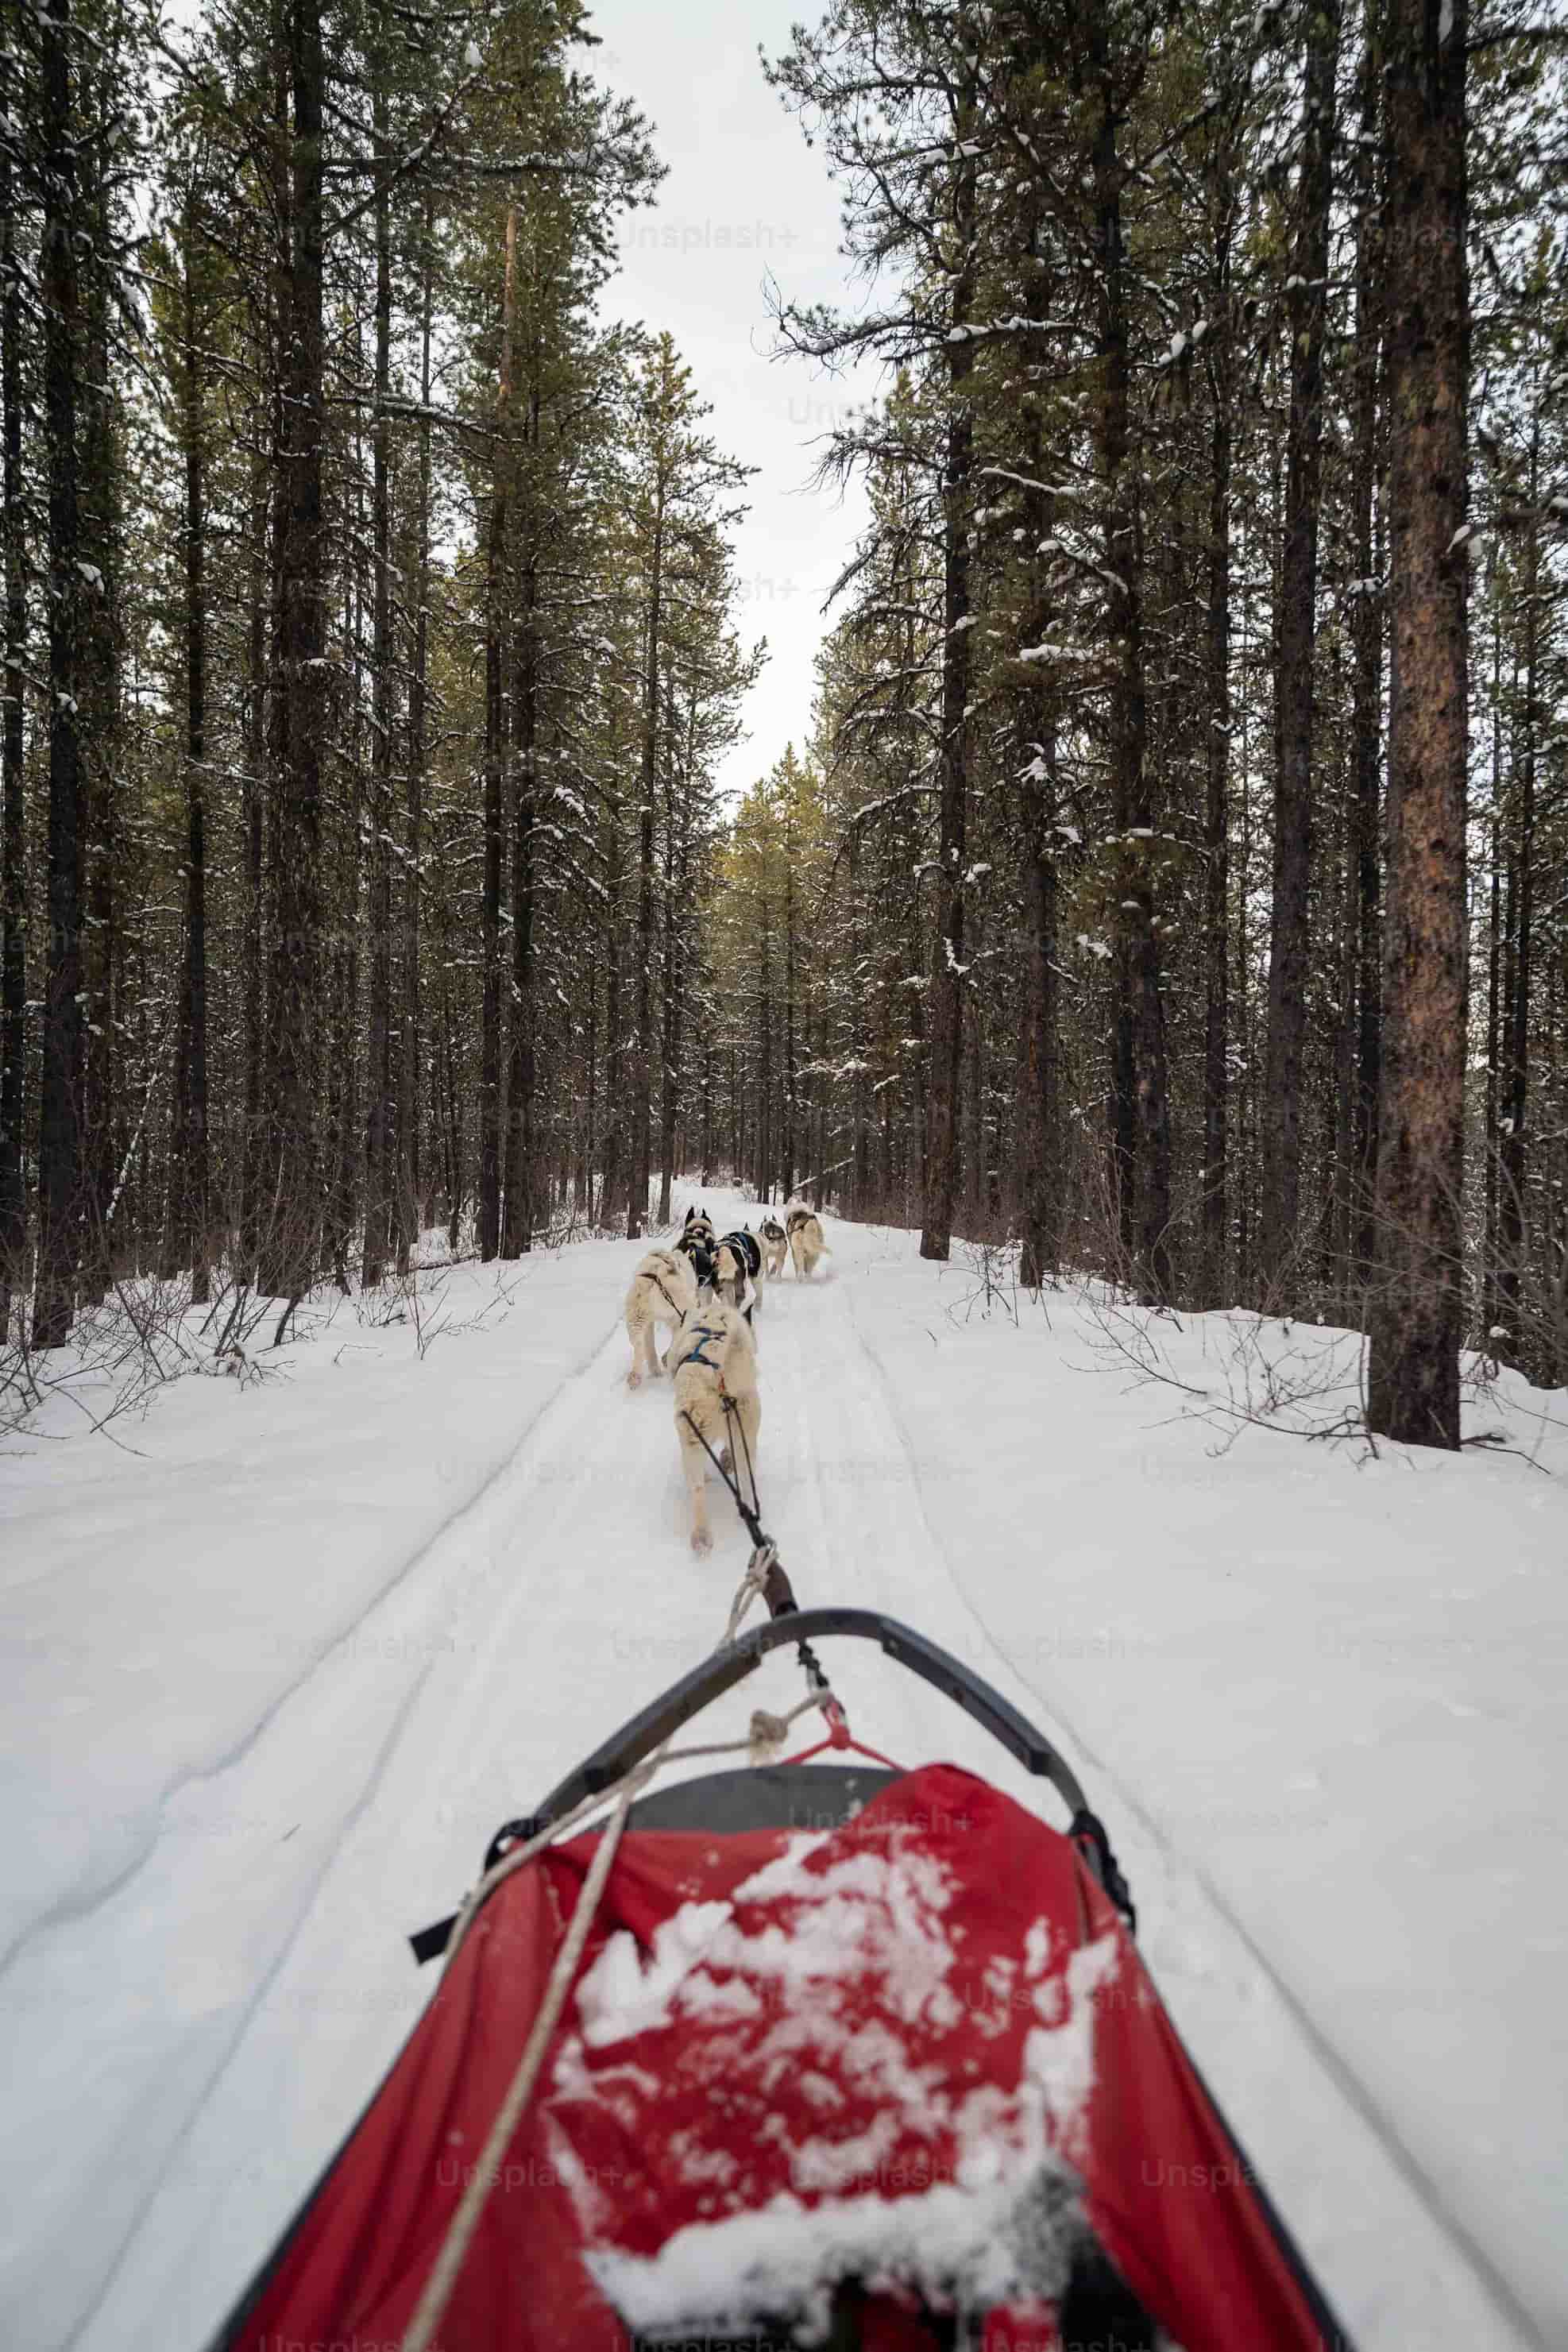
column 706, row 1290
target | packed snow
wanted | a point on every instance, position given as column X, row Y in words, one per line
column 839, row 1980
column 278, row 1656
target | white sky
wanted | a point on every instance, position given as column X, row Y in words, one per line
column 744, row 194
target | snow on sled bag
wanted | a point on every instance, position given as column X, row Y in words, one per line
column 852, row 2057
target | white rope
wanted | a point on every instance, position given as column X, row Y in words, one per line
column 766, row 1732
column 432, row 2304
column 776, row 1727
column 758, row 1569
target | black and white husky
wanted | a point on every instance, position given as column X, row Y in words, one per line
column 697, row 1230
column 737, row 1268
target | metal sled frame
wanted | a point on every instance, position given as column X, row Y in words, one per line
column 727, row 1666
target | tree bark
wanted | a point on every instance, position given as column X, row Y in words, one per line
column 193, row 1175
column 946, row 1018
column 1289, row 936
column 1215, row 1236
column 1367, row 646
column 408, row 1103
column 293, row 996
column 61, row 1108
column 642, row 1076
column 1140, row 1116
column 379, row 1186
column 521, row 1173
column 13, row 780
column 253, row 797
column 1413, row 1386
column 1039, row 1171
column 1513, row 1152
column 495, row 762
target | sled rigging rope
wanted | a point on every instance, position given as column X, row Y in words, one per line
column 770, row 1579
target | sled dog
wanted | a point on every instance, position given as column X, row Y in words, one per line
column 662, row 1290
column 703, row 1263
column 737, row 1265
column 698, row 1227
column 714, row 1362
column 775, row 1248
column 696, row 1245
column 806, row 1242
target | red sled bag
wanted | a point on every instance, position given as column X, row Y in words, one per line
column 849, row 2057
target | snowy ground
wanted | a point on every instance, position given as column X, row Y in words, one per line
column 271, row 1679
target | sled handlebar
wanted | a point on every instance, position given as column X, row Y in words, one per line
column 727, row 1666
column 730, row 1665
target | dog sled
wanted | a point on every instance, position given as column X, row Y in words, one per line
column 821, row 2051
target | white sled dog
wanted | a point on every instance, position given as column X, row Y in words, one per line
column 662, row 1290
column 714, row 1361
column 775, row 1248
column 806, row 1242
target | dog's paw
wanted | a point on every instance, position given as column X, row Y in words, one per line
column 701, row 1540
column 633, row 1378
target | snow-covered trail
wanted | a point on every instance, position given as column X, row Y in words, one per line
column 211, row 2017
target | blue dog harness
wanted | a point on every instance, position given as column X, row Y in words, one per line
column 699, row 1355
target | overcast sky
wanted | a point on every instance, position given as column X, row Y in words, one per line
column 744, row 195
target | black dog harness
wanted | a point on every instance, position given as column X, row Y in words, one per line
column 702, row 1258
column 657, row 1281
column 744, row 1246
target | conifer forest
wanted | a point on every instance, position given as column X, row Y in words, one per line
column 1170, row 875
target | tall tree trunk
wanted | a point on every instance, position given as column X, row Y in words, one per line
column 1413, row 1387
column 193, row 1175
column 379, row 1186
column 1140, row 1116
column 642, row 1077
column 615, row 1145
column 1215, row 1241
column 1491, row 1233
column 946, row 1024
column 790, row 1138
column 1367, row 644
column 291, row 1259
column 1512, row 1155
column 677, row 861
column 495, row 762
column 1289, row 939
column 60, row 1108
column 521, row 1176
column 13, row 823
column 408, row 1104
column 1036, row 1109
column 764, row 1156
column 253, row 798
column 101, row 525
column 1039, row 1168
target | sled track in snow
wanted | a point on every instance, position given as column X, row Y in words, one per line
column 556, row 1423
column 81, row 1903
